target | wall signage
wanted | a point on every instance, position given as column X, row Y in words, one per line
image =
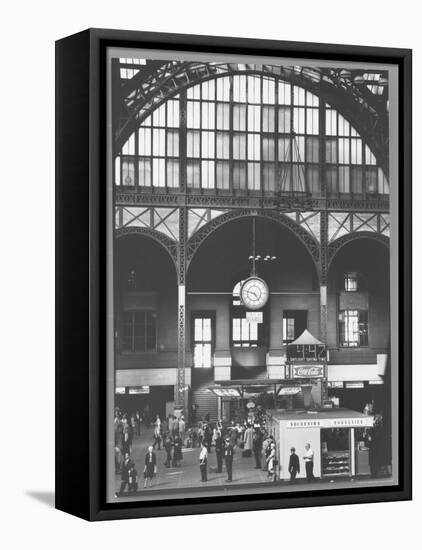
column 226, row 392
column 307, row 371
column 254, row 316
column 361, row 422
column 289, row 390
column 139, row 390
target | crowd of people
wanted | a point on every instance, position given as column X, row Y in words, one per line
column 248, row 437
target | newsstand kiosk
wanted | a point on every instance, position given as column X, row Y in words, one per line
column 335, row 436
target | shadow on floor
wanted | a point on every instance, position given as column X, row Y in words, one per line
column 45, row 497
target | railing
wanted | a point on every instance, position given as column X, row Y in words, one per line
column 244, row 199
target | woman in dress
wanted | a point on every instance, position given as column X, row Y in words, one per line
column 271, row 463
column 150, row 468
column 248, row 441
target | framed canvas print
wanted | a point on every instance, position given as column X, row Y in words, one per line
column 233, row 274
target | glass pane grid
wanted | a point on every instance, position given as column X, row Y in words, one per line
column 251, row 118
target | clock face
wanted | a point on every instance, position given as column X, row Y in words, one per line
column 254, row 293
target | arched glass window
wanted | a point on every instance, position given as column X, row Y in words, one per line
column 249, row 134
column 150, row 157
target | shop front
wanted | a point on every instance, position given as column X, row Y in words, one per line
column 336, row 437
column 240, row 400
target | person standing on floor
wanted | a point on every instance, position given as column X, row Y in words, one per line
column 182, row 428
column 271, row 463
column 126, row 441
column 203, row 460
column 177, row 452
column 294, row 466
column 133, row 479
column 248, row 441
column 170, row 423
column 168, row 444
column 265, row 445
column 207, row 437
column 257, row 447
column 133, row 425
column 126, row 466
column 219, row 451
column 175, row 426
column 309, row 462
column 200, row 433
column 228, row 457
column 157, row 435
column 150, row 468
column 138, row 420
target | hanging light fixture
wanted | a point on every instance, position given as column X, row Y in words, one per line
column 358, row 80
column 345, row 73
column 254, row 257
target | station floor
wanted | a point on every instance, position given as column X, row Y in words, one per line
column 187, row 475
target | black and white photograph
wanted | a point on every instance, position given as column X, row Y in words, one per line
column 210, row 302
column 252, row 310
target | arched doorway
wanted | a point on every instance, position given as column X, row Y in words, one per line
column 145, row 325
column 359, row 327
column 221, row 261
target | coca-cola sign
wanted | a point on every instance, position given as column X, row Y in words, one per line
column 308, row 371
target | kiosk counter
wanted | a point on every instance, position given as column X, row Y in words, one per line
column 335, row 435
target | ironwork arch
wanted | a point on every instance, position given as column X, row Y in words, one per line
column 149, row 90
column 338, row 244
column 310, row 243
column 169, row 245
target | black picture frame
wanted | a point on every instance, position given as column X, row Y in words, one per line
column 81, row 269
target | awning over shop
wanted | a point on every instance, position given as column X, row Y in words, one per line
column 238, row 388
column 306, row 339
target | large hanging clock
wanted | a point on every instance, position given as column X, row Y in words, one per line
column 254, row 293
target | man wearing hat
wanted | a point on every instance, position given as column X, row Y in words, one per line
column 219, row 451
column 228, row 457
column 294, row 466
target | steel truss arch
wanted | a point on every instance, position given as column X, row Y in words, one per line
column 169, row 245
column 145, row 92
column 310, row 243
column 338, row 244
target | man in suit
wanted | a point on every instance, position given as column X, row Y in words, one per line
column 257, row 447
column 294, row 466
column 126, row 466
column 126, row 442
column 228, row 456
column 219, row 451
column 168, row 444
column 207, row 437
